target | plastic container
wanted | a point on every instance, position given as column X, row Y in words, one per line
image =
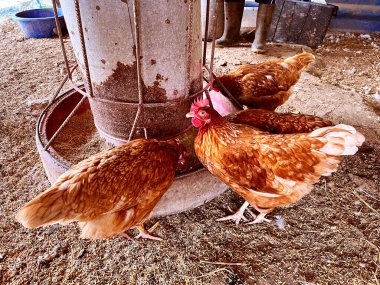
column 39, row 23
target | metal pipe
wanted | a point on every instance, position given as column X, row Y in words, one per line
column 59, row 30
column 83, row 46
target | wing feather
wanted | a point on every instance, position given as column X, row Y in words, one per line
column 106, row 183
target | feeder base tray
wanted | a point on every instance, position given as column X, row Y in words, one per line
column 192, row 187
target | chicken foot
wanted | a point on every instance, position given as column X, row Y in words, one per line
column 126, row 236
column 144, row 233
column 239, row 215
column 259, row 219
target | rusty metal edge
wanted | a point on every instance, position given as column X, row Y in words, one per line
column 57, row 161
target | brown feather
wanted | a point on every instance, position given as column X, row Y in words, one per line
column 277, row 123
column 271, row 170
column 265, row 85
column 109, row 192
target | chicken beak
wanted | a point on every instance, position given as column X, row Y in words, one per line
column 190, row 115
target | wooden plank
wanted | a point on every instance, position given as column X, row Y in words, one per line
column 275, row 18
column 315, row 26
column 299, row 19
column 300, row 22
column 284, row 22
column 324, row 22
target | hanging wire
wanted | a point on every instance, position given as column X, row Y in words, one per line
column 206, row 32
column 139, row 82
column 68, row 76
column 130, row 25
column 65, row 122
column 210, row 69
column 59, row 31
column 214, row 22
column 189, row 48
column 83, row 46
column 224, row 88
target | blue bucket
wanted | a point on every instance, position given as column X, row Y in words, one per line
column 39, row 23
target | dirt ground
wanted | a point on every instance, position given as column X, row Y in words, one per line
column 330, row 237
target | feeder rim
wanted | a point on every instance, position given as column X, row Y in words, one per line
column 64, row 164
column 17, row 17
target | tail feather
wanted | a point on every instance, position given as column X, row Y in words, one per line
column 45, row 209
column 300, row 60
column 327, row 166
column 338, row 140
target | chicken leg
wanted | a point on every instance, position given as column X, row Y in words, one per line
column 143, row 233
column 261, row 216
column 259, row 219
column 239, row 215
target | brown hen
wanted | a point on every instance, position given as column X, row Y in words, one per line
column 109, row 192
column 265, row 85
column 278, row 123
column 268, row 170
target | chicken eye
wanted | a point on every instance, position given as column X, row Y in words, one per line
column 202, row 113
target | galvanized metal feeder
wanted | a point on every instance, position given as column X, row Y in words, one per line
column 142, row 66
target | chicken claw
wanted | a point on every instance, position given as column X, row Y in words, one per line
column 126, row 236
column 147, row 233
column 259, row 219
column 239, row 215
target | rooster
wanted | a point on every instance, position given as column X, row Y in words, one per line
column 265, row 85
column 268, row 170
column 109, row 192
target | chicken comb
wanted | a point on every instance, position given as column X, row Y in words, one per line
column 199, row 103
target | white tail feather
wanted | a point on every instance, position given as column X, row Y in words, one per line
column 339, row 140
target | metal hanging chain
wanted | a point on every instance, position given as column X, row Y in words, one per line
column 83, row 46
column 139, row 81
